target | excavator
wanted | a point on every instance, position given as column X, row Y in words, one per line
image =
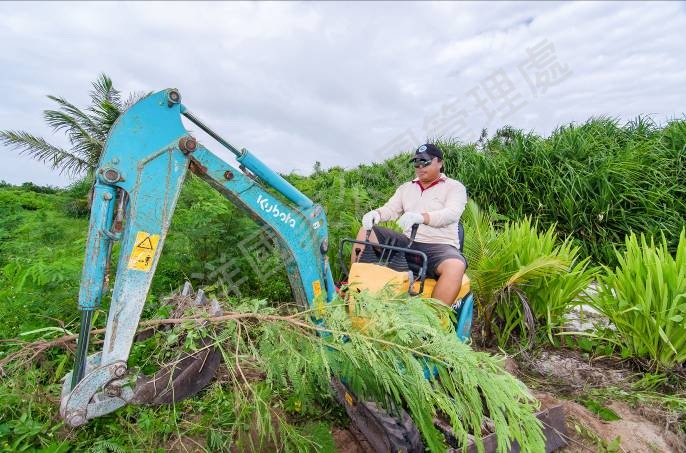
column 138, row 180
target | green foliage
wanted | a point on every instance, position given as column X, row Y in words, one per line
column 520, row 276
column 276, row 380
column 41, row 255
column 605, row 413
column 210, row 239
column 644, row 298
column 86, row 130
column 403, row 336
column 594, row 182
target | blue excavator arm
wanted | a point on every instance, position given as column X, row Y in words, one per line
column 138, row 181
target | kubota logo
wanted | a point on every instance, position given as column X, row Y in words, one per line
column 270, row 207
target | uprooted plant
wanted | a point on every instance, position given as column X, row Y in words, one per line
column 384, row 361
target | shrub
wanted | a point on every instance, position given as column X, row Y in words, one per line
column 644, row 298
column 596, row 182
column 520, row 276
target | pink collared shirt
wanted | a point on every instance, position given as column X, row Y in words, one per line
column 444, row 200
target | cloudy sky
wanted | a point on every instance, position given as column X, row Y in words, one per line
column 345, row 83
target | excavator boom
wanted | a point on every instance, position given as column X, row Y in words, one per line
column 138, row 181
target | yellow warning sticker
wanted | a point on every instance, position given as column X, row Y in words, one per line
column 348, row 399
column 143, row 251
column 317, row 288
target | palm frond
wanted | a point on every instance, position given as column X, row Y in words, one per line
column 105, row 115
column 478, row 230
column 104, row 91
column 38, row 148
column 81, row 117
column 541, row 267
column 83, row 143
column 106, row 104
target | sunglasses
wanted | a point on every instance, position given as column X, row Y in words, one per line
column 421, row 163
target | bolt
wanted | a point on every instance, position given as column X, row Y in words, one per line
column 187, row 144
column 173, row 97
column 111, row 175
column 228, row 175
column 119, row 370
column 76, row 418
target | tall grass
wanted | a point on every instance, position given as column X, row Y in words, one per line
column 596, row 182
column 645, row 299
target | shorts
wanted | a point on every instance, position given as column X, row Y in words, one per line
column 435, row 253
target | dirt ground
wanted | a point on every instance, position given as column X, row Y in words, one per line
column 640, row 429
column 350, row 441
column 637, row 434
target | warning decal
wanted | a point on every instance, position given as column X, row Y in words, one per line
column 316, row 288
column 143, row 251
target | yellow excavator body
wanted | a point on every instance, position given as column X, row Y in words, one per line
column 375, row 278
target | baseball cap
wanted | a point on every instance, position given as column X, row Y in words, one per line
column 427, row 152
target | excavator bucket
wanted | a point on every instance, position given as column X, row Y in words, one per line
column 191, row 371
column 182, row 379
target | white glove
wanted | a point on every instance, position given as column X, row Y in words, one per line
column 408, row 219
column 369, row 219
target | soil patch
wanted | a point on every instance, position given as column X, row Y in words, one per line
column 348, row 441
column 567, row 368
column 567, row 372
column 636, row 433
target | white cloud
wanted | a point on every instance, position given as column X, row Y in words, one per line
column 299, row 82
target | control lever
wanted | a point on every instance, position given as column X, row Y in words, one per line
column 413, row 233
column 411, row 290
column 358, row 251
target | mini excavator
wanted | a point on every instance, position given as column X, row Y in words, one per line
column 140, row 174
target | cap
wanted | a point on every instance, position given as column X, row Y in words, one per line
column 427, row 152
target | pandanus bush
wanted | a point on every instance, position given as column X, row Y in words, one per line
column 644, row 298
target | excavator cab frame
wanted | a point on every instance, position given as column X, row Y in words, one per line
column 391, row 266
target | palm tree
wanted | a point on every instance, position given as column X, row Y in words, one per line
column 524, row 280
column 86, row 130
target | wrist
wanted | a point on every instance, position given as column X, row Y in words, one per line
column 425, row 216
